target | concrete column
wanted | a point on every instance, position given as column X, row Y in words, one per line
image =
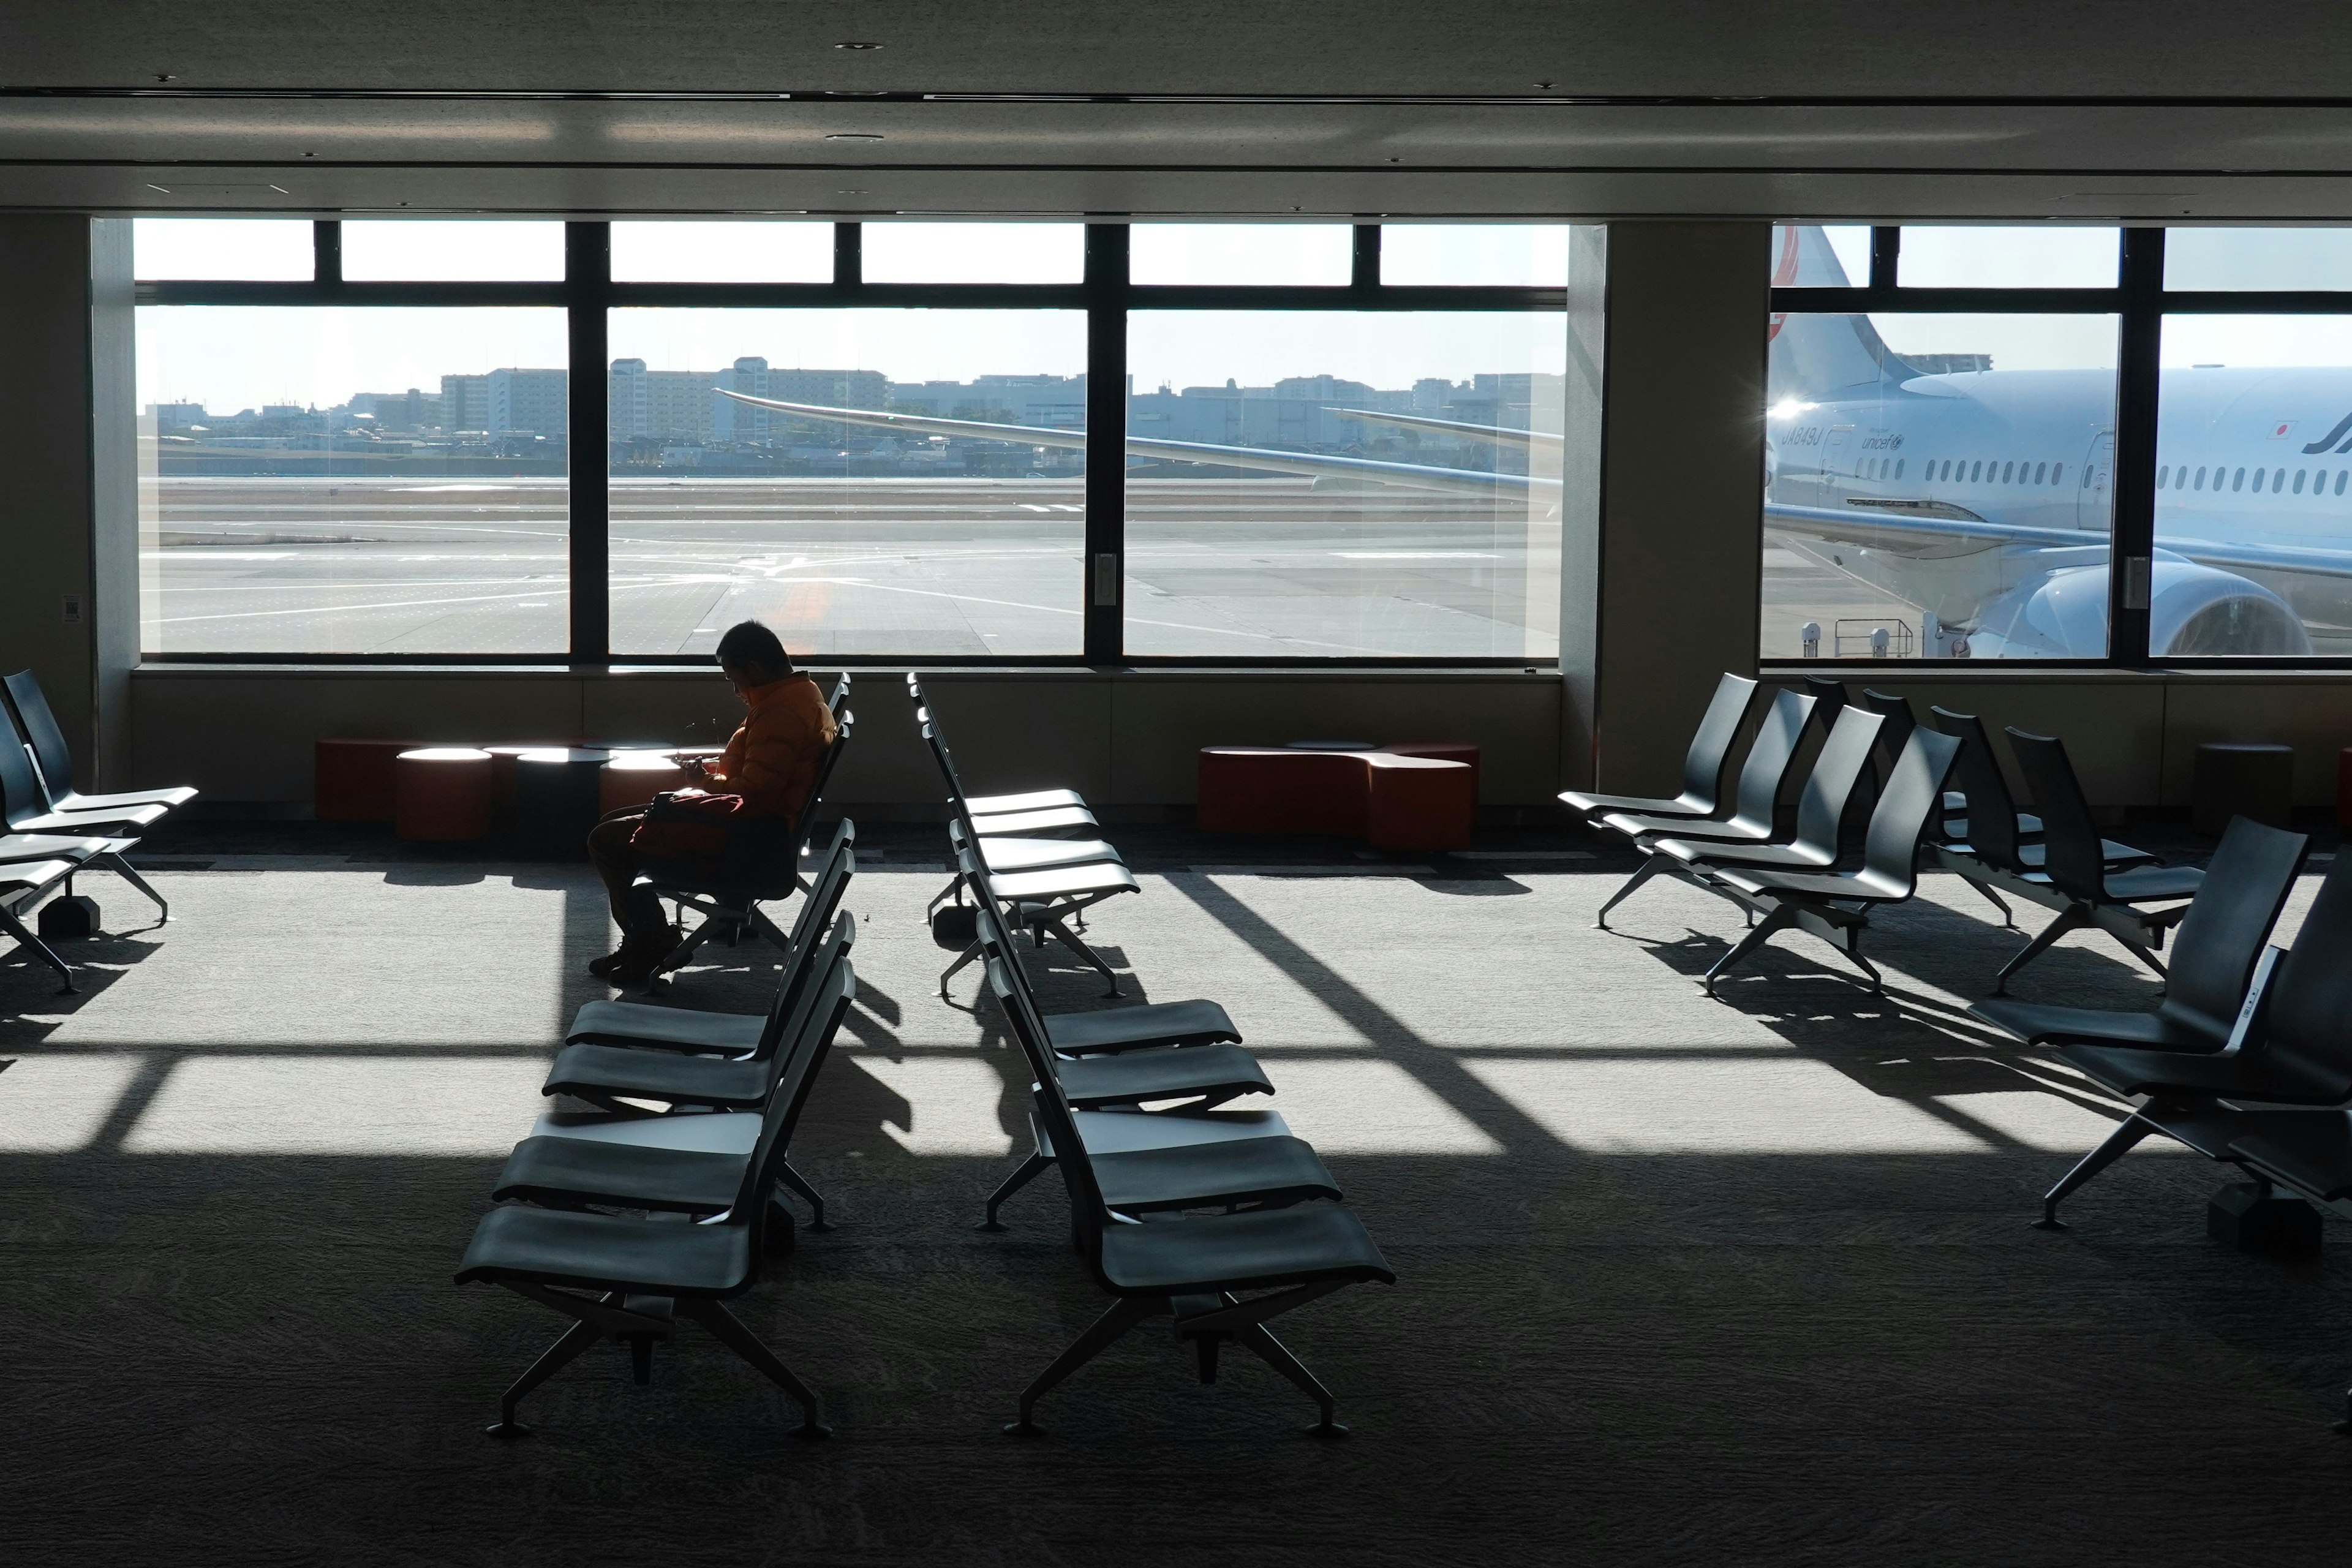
column 1661, row 576
column 68, row 588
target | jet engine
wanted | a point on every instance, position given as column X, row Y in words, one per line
column 2193, row 611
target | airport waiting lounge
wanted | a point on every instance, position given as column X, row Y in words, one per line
column 1217, row 785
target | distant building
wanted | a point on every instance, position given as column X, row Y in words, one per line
column 672, row 407
column 177, row 415
column 465, row 403
column 737, row 422
column 404, row 411
column 530, row 402
column 1048, row 402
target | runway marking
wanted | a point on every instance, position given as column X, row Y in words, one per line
column 341, row 609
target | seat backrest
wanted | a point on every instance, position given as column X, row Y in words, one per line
column 1828, row 698
column 1770, row 756
column 2221, row 939
column 1992, row 810
column 1707, row 766
column 844, row 722
column 2070, row 839
column 803, row 1055
column 938, row 743
column 20, row 786
column 30, row 708
column 801, row 960
column 1087, row 1213
column 1837, row 770
column 1897, row 729
column 839, row 701
column 1898, row 827
column 2310, row 1018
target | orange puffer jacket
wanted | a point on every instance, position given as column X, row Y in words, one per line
column 773, row 760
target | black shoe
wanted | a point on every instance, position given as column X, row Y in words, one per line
column 602, row 968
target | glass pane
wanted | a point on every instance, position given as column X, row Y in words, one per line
column 1938, row 486
column 2253, row 521
column 2042, row 257
column 1508, row 256
column 352, row 481
column 2258, row 258
column 1335, row 484
column 456, row 250
column 1263, row 253
column 238, row 249
column 722, row 252
column 957, row 531
column 974, row 252
column 1815, row 255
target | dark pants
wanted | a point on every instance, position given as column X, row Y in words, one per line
column 634, row 910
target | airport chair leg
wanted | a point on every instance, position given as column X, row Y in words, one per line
column 1271, row 1351
column 729, row 1331
column 121, row 867
column 1779, row 920
column 2075, row 918
column 15, row 928
column 1106, row 1330
column 552, row 1360
column 2118, row 1143
column 799, row 1184
column 1070, row 939
column 1651, row 867
column 1022, row 1175
column 2008, row 916
column 2140, row 951
column 970, row 954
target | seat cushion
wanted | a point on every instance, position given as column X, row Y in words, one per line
column 130, row 797
column 2310, row 1149
column 606, row 1070
column 1192, row 1023
column 2257, row 1077
column 1031, row 800
column 1050, row 823
column 1261, row 1249
column 1035, row 854
column 608, row 1252
column 1653, row 806
column 1171, row 1072
column 1637, row 824
column 666, row 1029
column 2037, row 1024
column 627, row 1175
column 1193, row 1175
column 125, row 821
column 2148, row 882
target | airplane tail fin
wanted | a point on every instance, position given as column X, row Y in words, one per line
column 1822, row 357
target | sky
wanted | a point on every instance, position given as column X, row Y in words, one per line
column 229, row 358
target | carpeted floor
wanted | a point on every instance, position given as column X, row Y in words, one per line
column 1680, row 1280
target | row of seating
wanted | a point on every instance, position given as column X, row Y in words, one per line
column 54, row 830
column 694, row 1181
column 1728, row 836
column 1221, row 1219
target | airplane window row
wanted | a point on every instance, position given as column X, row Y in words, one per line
column 1996, row 472
column 2179, row 478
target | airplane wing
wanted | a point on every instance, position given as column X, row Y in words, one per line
column 1500, row 434
column 1406, row 476
column 1924, row 530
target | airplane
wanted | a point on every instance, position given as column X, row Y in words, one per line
column 1981, row 498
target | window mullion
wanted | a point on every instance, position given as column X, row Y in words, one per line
column 588, row 276
column 2138, row 392
column 1105, row 523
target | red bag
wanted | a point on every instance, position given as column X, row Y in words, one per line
column 687, row 824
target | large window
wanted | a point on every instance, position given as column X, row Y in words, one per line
column 889, row 440
column 881, row 529
column 1966, row 425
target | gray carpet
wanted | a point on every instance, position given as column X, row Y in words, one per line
column 1681, row 1281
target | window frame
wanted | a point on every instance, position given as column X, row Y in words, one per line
column 588, row 293
column 2140, row 302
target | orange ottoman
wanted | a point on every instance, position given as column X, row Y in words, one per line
column 633, row 778
column 351, row 780
column 442, row 793
column 1276, row 789
column 1420, row 803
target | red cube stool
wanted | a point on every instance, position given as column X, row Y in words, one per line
column 351, row 780
column 1394, row 800
column 442, row 793
column 633, row 778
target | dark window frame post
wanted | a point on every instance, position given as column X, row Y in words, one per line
column 587, row 281
column 1103, row 581
column 2138, row 392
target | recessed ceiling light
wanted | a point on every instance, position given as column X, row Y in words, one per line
column 1547, row 86
column 853, row 136
column 852, row 193
column 167, row 79
column 859, row 45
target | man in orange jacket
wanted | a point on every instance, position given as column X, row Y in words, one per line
column 771, row 763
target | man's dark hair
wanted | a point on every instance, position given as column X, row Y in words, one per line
column 753, row 647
